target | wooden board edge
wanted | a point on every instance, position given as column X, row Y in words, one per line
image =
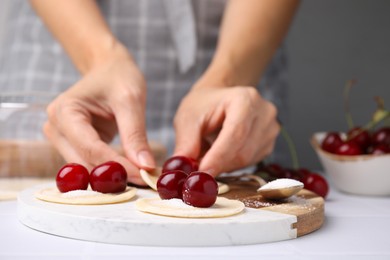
column 310, row 216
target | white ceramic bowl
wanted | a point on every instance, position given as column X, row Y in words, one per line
column 362, row 174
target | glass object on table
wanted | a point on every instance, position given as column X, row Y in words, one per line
column 24, row 151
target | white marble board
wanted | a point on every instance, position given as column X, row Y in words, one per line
column 122, row 224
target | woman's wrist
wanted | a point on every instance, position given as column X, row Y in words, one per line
column 109, row 51
column 224, row 74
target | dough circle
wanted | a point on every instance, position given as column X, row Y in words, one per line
column 150, row 178
column 222, row 188
column 176, row 208
column 10, row 187
column 88, row 198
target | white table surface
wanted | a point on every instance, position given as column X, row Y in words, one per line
column 355, row 227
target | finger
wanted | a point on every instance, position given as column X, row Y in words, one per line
column 131, row 126
column 71, row 155
column 246, row 138
column 263, row 140
column 84, row 139
column 265, row 131
column 188, row 136
column 225, row 153
column 77, row 128
column 63, row 146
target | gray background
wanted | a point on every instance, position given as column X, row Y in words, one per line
column 330, row 42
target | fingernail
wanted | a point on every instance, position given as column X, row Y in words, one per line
column 146, row 160
column 210, row 171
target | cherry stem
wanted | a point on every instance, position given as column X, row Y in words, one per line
column 348, row 115
column 382, row 116
column 291, row 147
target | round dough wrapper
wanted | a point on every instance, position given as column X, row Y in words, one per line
column 150, row 178
column 8, row 195
column 10, row 187
column 176, row 208
column 222, row 188
column 87, row 197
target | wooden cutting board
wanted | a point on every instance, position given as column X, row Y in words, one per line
column 262, row 221
column 307, row 206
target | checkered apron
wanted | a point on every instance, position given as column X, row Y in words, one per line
column 34, row 67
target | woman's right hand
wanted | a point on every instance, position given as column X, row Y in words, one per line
column 110, row 98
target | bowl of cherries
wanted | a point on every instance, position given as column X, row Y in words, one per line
column 358, row 160
column 353, row 168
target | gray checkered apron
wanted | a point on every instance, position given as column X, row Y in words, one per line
column 33, row 64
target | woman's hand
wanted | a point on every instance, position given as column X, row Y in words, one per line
column 84, row 119
column 109, row 98
column 229, row 127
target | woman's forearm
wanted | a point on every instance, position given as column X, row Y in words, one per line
column 251, row 32
column 80, row 28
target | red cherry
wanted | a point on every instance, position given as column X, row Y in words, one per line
column 303, row 172
column 200, row 190
column 275, row 170
column 381, row 136
column 349, row 148
column 72, row 176
column 379, row 149
column 263, row 173
column 316, row 183
column 331, row 142
column 109, row 177
column 181, row 163
column 170, row 184
column 297, row 174
column 290, row 174
column 359, row 136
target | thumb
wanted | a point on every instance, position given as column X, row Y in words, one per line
column 131, row 126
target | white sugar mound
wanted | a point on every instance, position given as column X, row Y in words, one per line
column 80, row 193
column 281, row 183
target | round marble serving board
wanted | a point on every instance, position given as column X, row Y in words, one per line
column 121, row 223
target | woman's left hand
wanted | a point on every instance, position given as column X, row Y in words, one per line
column 228, row 128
